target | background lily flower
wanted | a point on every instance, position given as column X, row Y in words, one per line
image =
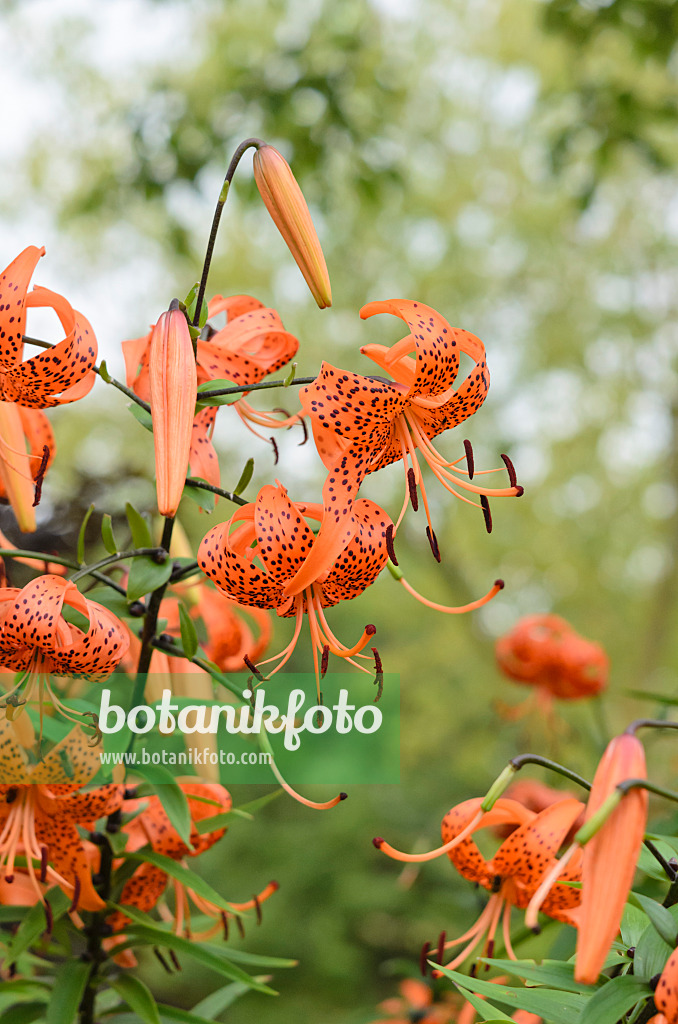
column 514, row 873
column 257, row 564
column 36, row 640
column 148, row 883
column 41, row 805
column 361, row 424
column 27, row 450
column 610, row 857
column 58, row 375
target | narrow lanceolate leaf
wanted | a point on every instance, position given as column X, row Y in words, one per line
column 206, row 500
column 69, row 986
column 661, row 918
column 173, row 385
column 555, row 1007
column 138, row 997
column 34, row 924
column 613, row 1000
column 189, row 636
column 141, row 534
column 217, row 385
column 245, row 477
column 81, row 534
column 172, row 798
column 107, row 534
column 146, row 575
column 142, row 416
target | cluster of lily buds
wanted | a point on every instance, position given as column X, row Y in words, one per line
column 62, row 374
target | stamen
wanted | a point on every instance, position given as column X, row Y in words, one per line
column 162, row 960
column 433, row 541
column 317, row 806
column 257, row 907
column 394, row 854
column 275, row 450
column 485, row 505
column 174, row 958
column 513, row 479
column 389, row 544
column 43, row 863
column 302, row 424
column 378, row 674
column 253, row 668
column 40, row 475
column 224, row 921
column 49, row 916
column 440, row 952
column 325, row 660
column 240, row 926
column 469, row 459
column 412, row 484
column 76, row 895
column 449, row 609
column 423, row 957
column 318, row 716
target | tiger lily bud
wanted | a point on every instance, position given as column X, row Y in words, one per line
column 610, row 856
column 666, row 993
column 285, row 202
column 173, row 390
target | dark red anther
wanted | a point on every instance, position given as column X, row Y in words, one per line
column 412, row 484
column 433, row 541
column 520, row 490
column 423, row 957
column 275, row 450
column 302, row 424
column 40, row 475
column 377, row 842
column 378, row 667
column 174, row 958
column 77, row 888
column 43, row 864
column 253, row 668
column 240, row 926
column 513, row 479
column 257, row 907
column 378, row 674
column 48, row 915
column 500, row 584
column 489, row 952
column 468, row 448
column 224, row 923
column 370, row 629
column 343, row 796
column 440, row 952
column 285, row 413
column 162, row 960
column 324, row 661
column 485, row 505
column 474, row 969
column 389, row 543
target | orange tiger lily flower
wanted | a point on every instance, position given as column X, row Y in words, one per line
column 544, row 651
column 36, row 641
column 148, row 883
column 60, row 374
column 416, row 1002
column 285, row 202
column 252, row 344
column 229, row 635
column 257, row 562
column 41, row 805
column 610, row 856
column 361, row 424
column 666, row 992
column 514, row 874
column 27, row 449
column 537, row 796
column 173, row 386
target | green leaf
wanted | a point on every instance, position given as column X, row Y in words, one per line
column 182, row 874
column 206, row 500
column 141, row 935
column 69, row 985
column 614, row 999
column 552, row 973
column 633, row 924
column 141, row 534
column 142, row 416
column 34, row 924
column 556, row 1007
column 217, row 385
column 171, row 796
column 661, row 918
column 137, row 996
column 216, row 1002
column 189, row 636
column 147, row 575
column 245, row 477
column 219, row 820
column 80, row 549
column 483, row 1006
column 107, row 535
column 25, row 1013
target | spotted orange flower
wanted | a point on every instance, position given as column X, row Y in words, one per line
column 148, row 883
column 229, row 635
column 41, row 806
column 257, row 563
column 26, row 451
column 513, row 875
column 417, row 1002
column 60, row 374
column 361, row 424
column 666, row 992
column 544, row 651
column 610, row 856
column 537, row 796
column 252, row 344
column 36, row 640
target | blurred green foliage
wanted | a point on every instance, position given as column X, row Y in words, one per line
column 512, row 165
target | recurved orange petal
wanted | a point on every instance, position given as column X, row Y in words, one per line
column 14, row 282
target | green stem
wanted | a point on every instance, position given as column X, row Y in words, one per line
column 649, row 723
column 245, row 388
column 38, row 556
column 652, row 787
column 119, row 556
column 229, row 495
column 545, row 762
column 96, row 929
column 223, row 195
